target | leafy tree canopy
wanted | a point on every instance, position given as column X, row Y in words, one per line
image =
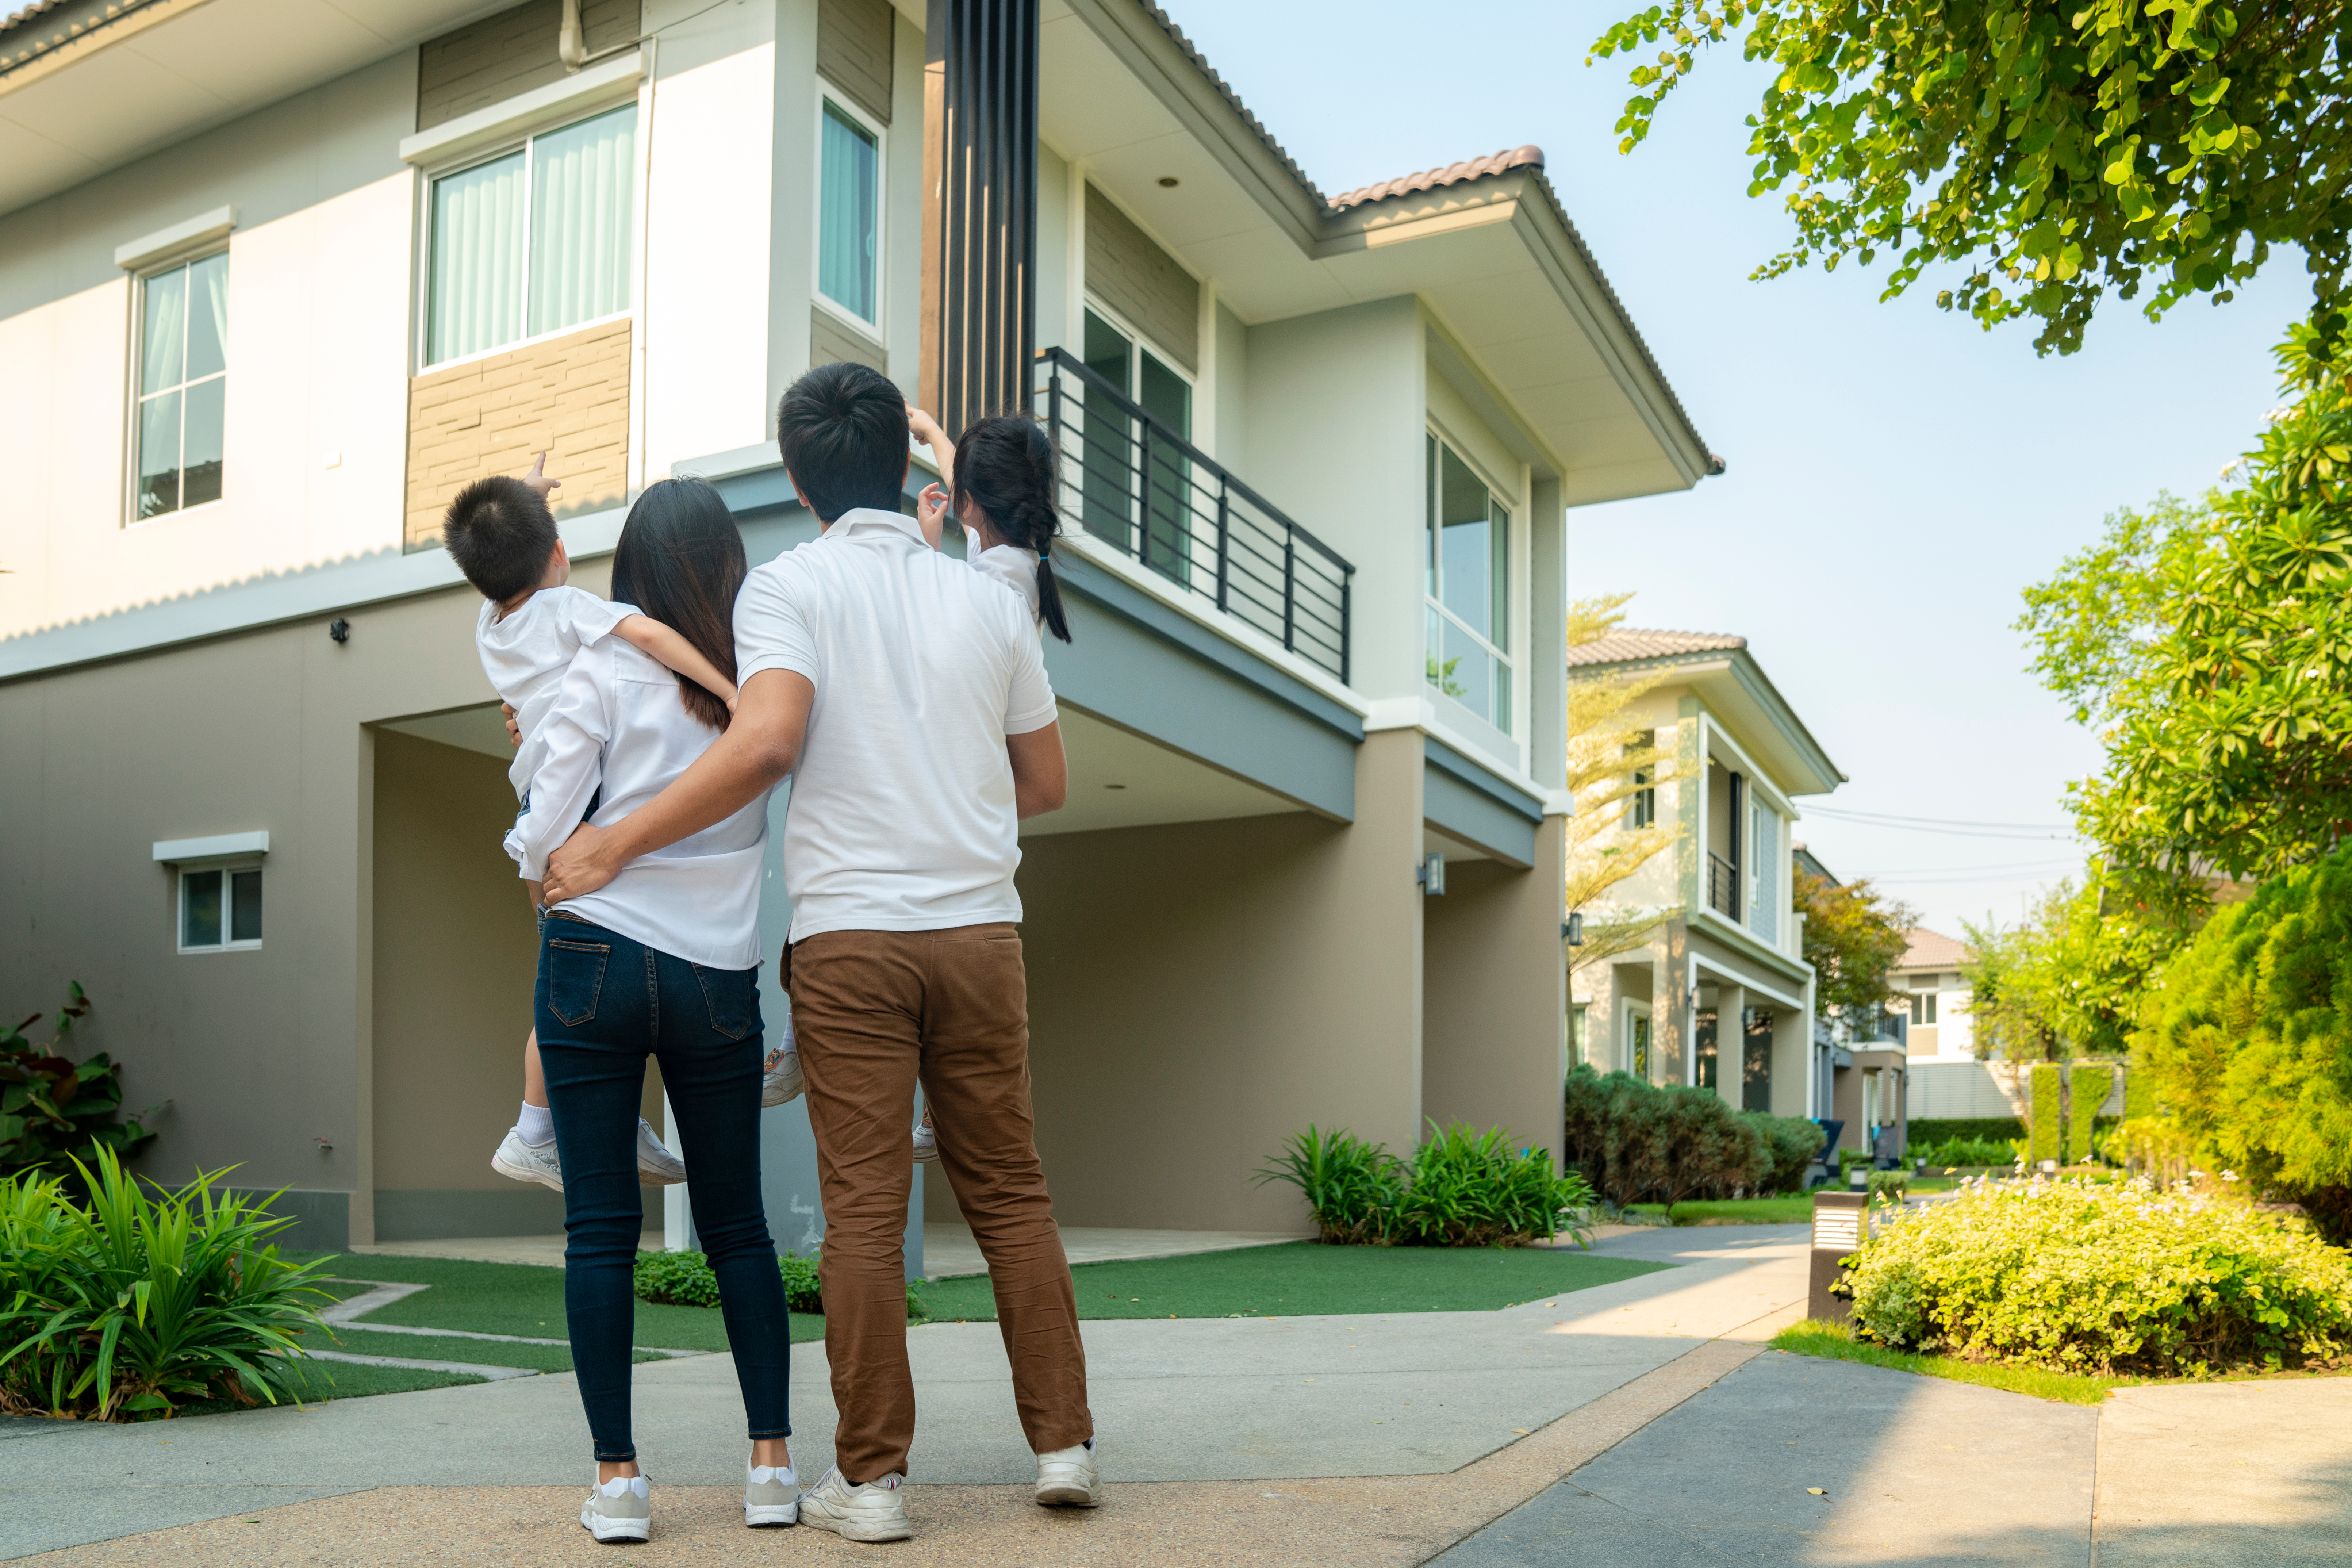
column 1854, row 936
column 2064, row 981
column 1613, row 756
column 2045, row 152
column 2212, row 646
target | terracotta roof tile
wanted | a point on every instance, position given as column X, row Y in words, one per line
column 1627, row 644
column 1527, row 157
column 1932, row 950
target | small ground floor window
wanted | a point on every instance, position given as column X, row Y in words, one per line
column 220, row 907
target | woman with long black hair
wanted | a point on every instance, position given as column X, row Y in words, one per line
column 1004, row 491
column 664, row 961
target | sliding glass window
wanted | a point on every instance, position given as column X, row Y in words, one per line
column 1466, row 587
column 182, row 387
column 849, row 214
column 532, row 242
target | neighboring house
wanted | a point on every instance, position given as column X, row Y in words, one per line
column 1320, row 450
column 1721, row 995
column 1862, row 1074
column 1929, row 975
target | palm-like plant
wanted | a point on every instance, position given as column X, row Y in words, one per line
column 120, row 1309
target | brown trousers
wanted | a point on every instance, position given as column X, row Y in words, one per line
column 875, row 1011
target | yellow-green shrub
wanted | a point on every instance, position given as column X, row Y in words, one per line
column 2106, row 1278
column 2042, row 1125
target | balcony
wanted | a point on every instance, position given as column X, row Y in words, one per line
column 1722, row 886
column 1140, row 488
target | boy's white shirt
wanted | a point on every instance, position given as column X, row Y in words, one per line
column 526, row 653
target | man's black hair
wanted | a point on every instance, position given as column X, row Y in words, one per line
column 841, row 429
column 500, row 533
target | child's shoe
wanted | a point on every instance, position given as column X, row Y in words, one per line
column 657, row 1166
column 528, row 1162
column 771, row 1496
column 618, row 1509
column 927, row 1139
column 780, row 1077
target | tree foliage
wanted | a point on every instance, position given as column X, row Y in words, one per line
column 2066, row 979
column 1854, row 936
column 2212, row 645
column 2041, row 152
column 2248, row 1042
column 1610, row 757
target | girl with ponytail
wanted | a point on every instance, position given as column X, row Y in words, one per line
column 1005, row 490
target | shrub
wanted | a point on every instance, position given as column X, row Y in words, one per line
column 2105, row 1277
column 2248, row 1049
column 2090, row 1091
column 1460, row 1189
column 1966, row 1152
column 1984, row 1129
column 54, row 1112
column 120, row 1309
column 2043, row 1111
column 1637, row 1142
column 1889, row 1186
column 686, row 1280
column 1790, row 1144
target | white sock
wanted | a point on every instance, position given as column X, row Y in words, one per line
column 536, row 1124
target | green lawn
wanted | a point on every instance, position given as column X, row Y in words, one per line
column 1834, row 1342
column 338, row 1380
column 1302, row 1278
column 1734, row 1211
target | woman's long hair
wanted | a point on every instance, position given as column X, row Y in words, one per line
column 1005, row 464
column 680, row 560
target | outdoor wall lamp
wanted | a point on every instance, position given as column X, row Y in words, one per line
column 1573, row 929
column 339, row 630
column 1430, row 874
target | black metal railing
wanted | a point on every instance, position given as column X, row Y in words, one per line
column 1140, row 486
column 1722, row 886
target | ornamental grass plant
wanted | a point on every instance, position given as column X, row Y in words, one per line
column 2108, row 1278
column 1460, row 1188
column 137, row 1300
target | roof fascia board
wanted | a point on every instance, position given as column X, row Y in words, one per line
column 87, row 28
column 1143, row 45
column 1753, row 683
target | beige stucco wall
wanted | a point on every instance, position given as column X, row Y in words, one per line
column 1198, row 992
column 1493, row 1048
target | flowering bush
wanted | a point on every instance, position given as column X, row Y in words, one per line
column 2106, row 1278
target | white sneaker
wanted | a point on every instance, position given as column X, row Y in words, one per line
column 874, row 1511
column 619, row 1510
column 771, row 1496
column 927, row 1139
column 1065, row 1477
column 657, row 1166
column 780, row 1077
column 528, row 1162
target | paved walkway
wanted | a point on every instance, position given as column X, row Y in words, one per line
column 1634, row 1423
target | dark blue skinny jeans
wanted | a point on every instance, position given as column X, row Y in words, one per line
column 604, row 1004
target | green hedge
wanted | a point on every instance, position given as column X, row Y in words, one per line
column 2091, row 1086
column 686, row 1280
column 1943, row 1130
column 2044, row 1114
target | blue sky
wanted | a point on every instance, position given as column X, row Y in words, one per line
column 1897, row 476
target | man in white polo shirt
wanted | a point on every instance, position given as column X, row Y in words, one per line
column 907, row 694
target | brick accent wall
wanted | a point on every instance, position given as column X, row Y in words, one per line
column 489, row 415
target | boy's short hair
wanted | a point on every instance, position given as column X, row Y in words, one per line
column 500, row 533
column 841, row 429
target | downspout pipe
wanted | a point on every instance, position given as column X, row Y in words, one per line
column 571, row 46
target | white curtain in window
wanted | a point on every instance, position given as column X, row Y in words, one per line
column 476, row 262
column 583, row 181
column 1764, row 919
column 208, row 317
column 847, row 219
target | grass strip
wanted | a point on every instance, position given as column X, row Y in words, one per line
column 1834, row 1342
column 482, row 1353
column 523, row 1299
column 1307, row 1279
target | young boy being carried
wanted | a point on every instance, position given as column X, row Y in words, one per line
column 502, row 536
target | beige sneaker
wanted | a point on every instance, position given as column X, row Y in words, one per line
column 771, row 1496
column 927, row 1139
column 1065, row 1477
column 620, row 1510
column 524, row 1162
column 874, row 1511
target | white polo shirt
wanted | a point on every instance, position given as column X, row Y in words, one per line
column 902, row 811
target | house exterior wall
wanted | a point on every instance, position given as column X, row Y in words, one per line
column 1128, row 271
column 1492, row 1037
column 509, row 54
column 854, row 49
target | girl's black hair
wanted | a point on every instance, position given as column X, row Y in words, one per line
column 680, row 560
column 1005, row 464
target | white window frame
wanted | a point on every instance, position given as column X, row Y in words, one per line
column 1514, row 510
column 473, row 158
column 1142, row 340
column 136, row 351
column 226, row 868
column 877, row 329
column 1924, row 1009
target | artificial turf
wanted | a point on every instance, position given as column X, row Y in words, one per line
column 1306, row 1278
column 1733, row 1211
column 357, row 1340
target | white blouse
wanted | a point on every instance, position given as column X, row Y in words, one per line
column 621, row 725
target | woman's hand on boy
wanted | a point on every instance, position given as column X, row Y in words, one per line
column 514, row 730
column 578, row 868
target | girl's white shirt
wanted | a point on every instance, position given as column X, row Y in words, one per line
column 619, row 723
column 1013, row 566
column 526, row 653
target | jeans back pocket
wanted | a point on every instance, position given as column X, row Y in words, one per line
column 733, row 998
column 576, row 976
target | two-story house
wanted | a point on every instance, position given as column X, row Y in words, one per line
column 1721, row 995
column 1936, row 992
column 313, row 268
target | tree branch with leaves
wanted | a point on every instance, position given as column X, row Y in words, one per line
column 1613, row 756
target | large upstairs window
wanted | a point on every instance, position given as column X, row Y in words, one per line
column 182, row 387
column 533, row 242
column 849, row 214
column 1466, row 582
column 1117, row 497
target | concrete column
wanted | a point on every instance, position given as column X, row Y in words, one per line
column 1494, row 1046
column 1792, row 1059
column 1730, row 1042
